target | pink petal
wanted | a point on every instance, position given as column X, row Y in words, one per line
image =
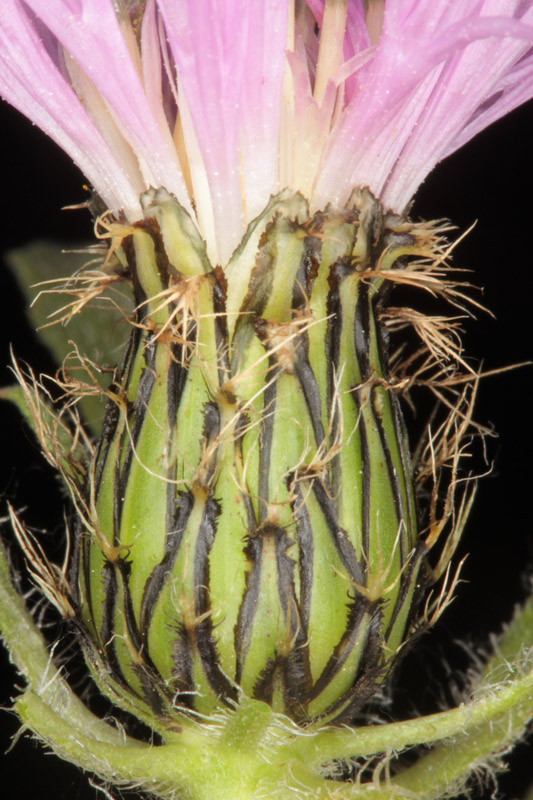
column 36, row 87
column 510, row 92
column 90, row 31
column 433, row 69
column 151, row 60
column 356, row 40
column 229, row 58
column 260, row 104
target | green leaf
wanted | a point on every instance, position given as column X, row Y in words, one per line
column 98, row 331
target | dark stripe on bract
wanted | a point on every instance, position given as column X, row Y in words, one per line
column 109, row 585
column 372, row 655
column 107, row 634
column 240, row 429
column 220, row 288
column 173, row 501
column 381, row 332
column 332, row 344
column 112, row 408
column 138, row 292
column 204, row 542
column 365, row 477
column 176, row 379
column 389, row 398
column 403, row 443
column 202, row 606
column 161, row 573
column 261, row 277
column 266, row 433
column 406, row 584
column 182, row 670
column 296, row 667
column 369, row 674
column 304, row 536
column 285, row 569
column 211, row 421
column 343, row 545
column 362, row 331
column 117, row 497
column 334, row 328
column 163, row 265
column 255, row 300
column 275, row 666
column 78, row 564
column 248, row 607
column 391, row 471
column 356, row 613
column 374, row 231
column 331, row 349
column 297, row 680
column 85, row 546
column 264, row 686
column 150, row 685
column 144, row 390
column 211, row 429
column 309, row 385
column 307, row 272
column 134, row 341
column 109, row 430
column 123, row 568
column 144, row 668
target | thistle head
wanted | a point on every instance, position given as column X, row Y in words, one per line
column 248, row 520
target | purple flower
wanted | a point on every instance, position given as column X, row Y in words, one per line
column 225, row 102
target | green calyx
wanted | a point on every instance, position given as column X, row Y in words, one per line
column 252, row 542
column 250, row 752
column 251, row 524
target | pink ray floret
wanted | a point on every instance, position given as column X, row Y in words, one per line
column 225, row 102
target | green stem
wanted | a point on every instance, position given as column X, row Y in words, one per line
column 448, row 767
column 505, row 685
column 196, row 767
column 450, row 763
column 29, row 653
column 360, row 742
column 513, row 648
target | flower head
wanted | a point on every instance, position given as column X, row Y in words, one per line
column 226, row 103
column 250, row 525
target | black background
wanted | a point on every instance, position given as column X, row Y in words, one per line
column 488, row 180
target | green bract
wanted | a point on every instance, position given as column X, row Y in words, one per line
column 252, row 542
column 251, row 522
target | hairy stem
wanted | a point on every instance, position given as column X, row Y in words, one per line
column 30, row 654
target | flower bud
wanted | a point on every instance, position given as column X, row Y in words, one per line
column 253, row 519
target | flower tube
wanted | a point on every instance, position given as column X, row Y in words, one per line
column 251, row 523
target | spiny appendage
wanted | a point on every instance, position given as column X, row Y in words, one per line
column 250, row 518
